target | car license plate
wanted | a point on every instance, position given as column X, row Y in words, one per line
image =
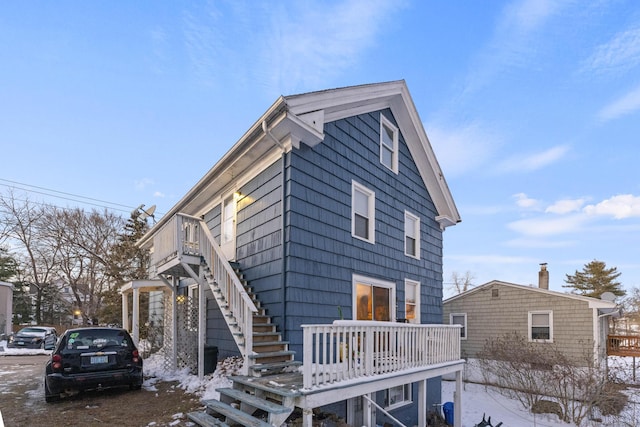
column 95, row 360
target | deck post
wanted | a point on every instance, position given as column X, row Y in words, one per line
column 136, row 315
column 457, row 401
column 422, row 403
column 202, row 325
column 307, row 417
column 125, row 311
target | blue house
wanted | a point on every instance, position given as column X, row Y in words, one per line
column 313, row 250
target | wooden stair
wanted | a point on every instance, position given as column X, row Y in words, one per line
column 247, row 403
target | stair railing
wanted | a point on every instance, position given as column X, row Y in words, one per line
column 240, row 305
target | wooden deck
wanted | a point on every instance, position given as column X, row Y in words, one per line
column 623, row 345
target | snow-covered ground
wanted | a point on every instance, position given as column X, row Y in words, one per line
column 477, row 400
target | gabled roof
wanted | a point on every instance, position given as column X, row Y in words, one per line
column 296, row 119
column 593, row 302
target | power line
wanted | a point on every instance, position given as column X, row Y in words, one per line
column 66, row 196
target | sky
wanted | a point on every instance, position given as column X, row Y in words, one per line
column 531, row 106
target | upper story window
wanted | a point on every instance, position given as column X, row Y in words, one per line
column 388, row 144
column 411, row 235
column 362, row 212
column 412, row 301
column 459, row 319
column 541, row 326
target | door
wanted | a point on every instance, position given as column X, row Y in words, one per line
column 228, row 228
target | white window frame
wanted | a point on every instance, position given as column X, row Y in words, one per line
column 364, row 280
column 371, row 211
column 407, row 397
column 416, row 233
column 464, row 332
column 550, row 326
column 407, row 284
column 385, row 148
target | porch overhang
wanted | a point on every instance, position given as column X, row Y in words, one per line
column 134, row 287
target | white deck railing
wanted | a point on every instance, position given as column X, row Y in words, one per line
column 187, row 235
column 347, row 350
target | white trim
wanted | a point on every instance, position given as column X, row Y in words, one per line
column 593, row 302
column 371, row 211
column 466, row 331
column 418, row 310
column 416, row 231
column 386, row 123
column 530, row 325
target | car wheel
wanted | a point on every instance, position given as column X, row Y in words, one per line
column 135, row 386
column 48, row 397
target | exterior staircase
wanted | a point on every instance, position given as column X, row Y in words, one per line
column 247, row 402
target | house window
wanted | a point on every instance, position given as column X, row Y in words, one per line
column 541, row 326
column 459, row 319
column 388, row 144
column 412, row 301
column 397, row 396
column 374, row 299
column 411, row 235
column 362, row 212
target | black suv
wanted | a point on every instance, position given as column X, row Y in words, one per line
column 92, row 358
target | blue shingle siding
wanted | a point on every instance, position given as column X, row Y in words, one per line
column 259, row 238
column 322, row 255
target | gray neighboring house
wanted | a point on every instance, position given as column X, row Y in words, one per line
column 574, row 323
column 313, row 251
column 6, row 308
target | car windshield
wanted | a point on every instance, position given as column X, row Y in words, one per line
column 32, row 331
column 96, row 339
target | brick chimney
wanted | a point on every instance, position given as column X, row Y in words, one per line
column 543, row 276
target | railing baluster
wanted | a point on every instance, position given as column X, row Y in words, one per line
column 373, row 348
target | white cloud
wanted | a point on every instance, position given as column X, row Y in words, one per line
column 618, row 207
column 525, row 202
column 547, row 226
column 622, row 106
column 143, row 183
column 158, row 194
column 492, row 259
column 539, row 243
column 535, row 161
column 511, row 44
column 620, row 54
column 525, row 16
column 565, row 206
column 312, row 42
column 463, row 148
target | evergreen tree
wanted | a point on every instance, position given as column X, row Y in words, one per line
column 594, row 280
column 126, row 262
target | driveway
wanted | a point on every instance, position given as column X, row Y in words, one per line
column 22, row 401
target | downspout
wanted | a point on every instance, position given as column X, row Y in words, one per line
column 282, row 229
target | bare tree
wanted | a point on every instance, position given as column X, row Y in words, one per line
column 86, row 239
column 461, row 283
column 543, row 379
column 37, row 257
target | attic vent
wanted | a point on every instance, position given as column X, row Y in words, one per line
column 495, row 293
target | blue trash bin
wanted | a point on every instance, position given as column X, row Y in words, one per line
column 447, row 409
